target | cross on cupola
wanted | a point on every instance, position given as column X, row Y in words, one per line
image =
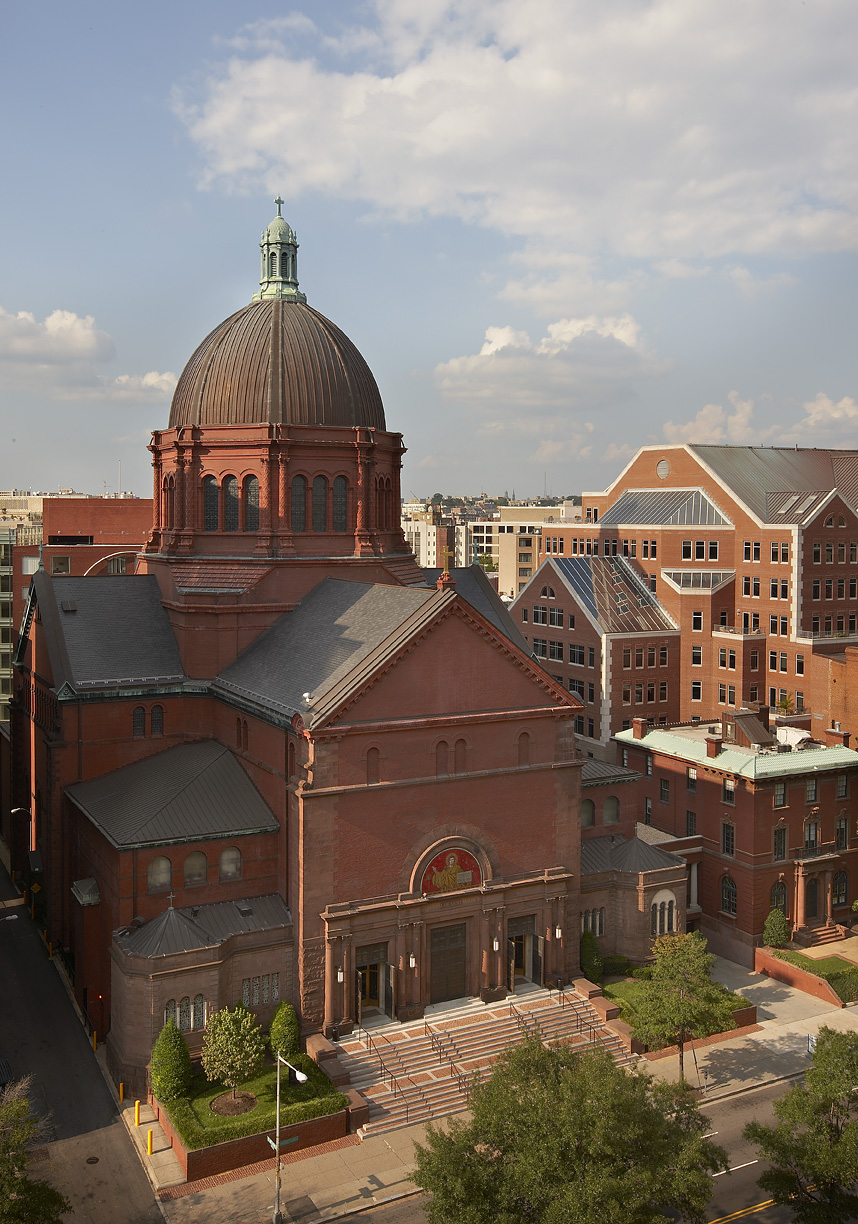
column 279, row 274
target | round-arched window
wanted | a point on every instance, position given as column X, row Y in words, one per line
column 588, row 813
column 230, row 863
column 159, row 874
column 611, row 810
column 196, row 868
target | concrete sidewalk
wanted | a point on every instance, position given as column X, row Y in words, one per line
column 345, row 1177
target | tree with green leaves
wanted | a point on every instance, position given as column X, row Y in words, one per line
column 571, row 1139
column 170, row 1068
column 591, row 957
column 681, row 1001
column 776, row 930
column 233, row 1047
column 284, row 1036
column 812, row 1148
column 24, row 1200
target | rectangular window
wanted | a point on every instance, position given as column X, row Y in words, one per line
column 591, row 656
column 664, row 790
column 746, row 585
column 755, row 588
column 627, row 694
column 524, row 616
column 652, row 550
column 638, row 694
column 814, row 589
column 722, row 656
column 625, row 757
column 627, row 658
column 696, row 656
column 829, row 588
column 713, row 550
column 784, row 589
column 784, row 626
column 686, row 550
column 699, row 550
column 555, row 617
column 691, row 778
column 755, row 660
column 842, row 786
column 662, row 656
column 60, row 565
column 773, row 624
column 731, row 694
column 696, row 690
column 752, row 694
column 728, row 790
column 591, row 693
column 650, row 657
column 540, row 615
column 690, row 824
column 555, row 651
column 645, row 549
column 799, row 664
column 799, row 701
column 540, row 648
column 841, row 833
column 731, row 660
column 780, row 846
column 784, row 553
column 774, row 552
column 647, row 810
column 697, row 622
column 728, row 839
column 662, row 690
column 29, row 565
column 591, row 728
column 639, row 657
column 773, row 588
column 722, row 694
column 780, row 794
column 810, row 789
column 773, row 660
column 829, row 552
column 747, row 550
column 782, row 658
column 576, row 654
column 650, row 691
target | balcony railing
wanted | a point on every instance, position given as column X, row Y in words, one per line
column 820, row 850
column 717, row 627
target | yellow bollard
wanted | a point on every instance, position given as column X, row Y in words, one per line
column 136, row 1113
column 149, row 1142
column 45, row 935
column 94, row 1040
column 121, row 1091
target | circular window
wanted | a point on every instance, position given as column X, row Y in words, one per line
column 662, row 469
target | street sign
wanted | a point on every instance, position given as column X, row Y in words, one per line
column 811, row 1043
column 283, row 1142
column 34, row 888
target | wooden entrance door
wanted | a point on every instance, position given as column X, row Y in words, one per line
column 447, row 963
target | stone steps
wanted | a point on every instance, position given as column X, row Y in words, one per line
column 428, row 1069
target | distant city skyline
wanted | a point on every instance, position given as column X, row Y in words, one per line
column 556, row 231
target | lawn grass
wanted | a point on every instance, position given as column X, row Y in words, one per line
column 627, row 993
column 199, row 1126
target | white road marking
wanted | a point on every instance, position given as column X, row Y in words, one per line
column 746, row 1165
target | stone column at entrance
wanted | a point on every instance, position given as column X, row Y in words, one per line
column 330, row 984
column 799, row 895
column 827, row 882
column 485, row 950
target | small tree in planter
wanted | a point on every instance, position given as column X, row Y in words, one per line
column 233, row 1047
column 284, row 1034
column 591, row 957
column 170, row 1068
column 776, row 931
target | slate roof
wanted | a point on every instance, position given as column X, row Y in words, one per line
column 610, row 591
column 188, row 793
column 187, row 930
column 474, row 587
column 104, row 631
column 338, row 628
column 664, row 507
column 618, row 853
column 599, row 773
column 689, row 744
column 754, row 473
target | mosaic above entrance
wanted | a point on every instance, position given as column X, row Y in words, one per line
column 449, row 870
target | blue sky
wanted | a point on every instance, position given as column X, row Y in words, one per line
column 557, row 229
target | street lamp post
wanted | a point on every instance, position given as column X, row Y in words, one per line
column 302, row 1079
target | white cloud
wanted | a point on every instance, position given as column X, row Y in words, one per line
column 679, row 269
column 618, row 453
column 578, row 363
column 749, row 287
column 836, row 424
column 675, row 130
column 716, row 424
column 61, row 356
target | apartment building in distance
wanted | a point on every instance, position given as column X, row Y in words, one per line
column 752, row 552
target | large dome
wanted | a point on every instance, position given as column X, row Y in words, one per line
column 277, row 361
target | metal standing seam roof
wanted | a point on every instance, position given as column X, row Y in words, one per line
column 280, row 362
column 193, row 792
column 743, row 762
column 752, row 472
column 206, row 926
column 104, row 631
column 611, row 592
column 599, row 773
column 618, row 853
column 664, row 508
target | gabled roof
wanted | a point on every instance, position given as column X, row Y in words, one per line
column 753, row 473
column 474, row 587
column 664, row 508
column 106, row 631
column 620, row 854
column 192, row 792
column 205, row 926
column 609, row 591
column 601, row 773
column 312, row 650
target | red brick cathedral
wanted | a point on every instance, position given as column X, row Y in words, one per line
column 280, row 760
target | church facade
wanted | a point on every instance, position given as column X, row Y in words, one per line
column 280, row 761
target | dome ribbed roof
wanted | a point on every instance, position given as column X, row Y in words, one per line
column 277, row 362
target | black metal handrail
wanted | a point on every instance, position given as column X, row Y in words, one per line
column 820, row 850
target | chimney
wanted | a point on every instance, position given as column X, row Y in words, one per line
column 445, row 582
column 835, row 738
column 639, row 726
column 713, row 745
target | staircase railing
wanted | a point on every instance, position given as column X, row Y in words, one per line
column 387, row 1076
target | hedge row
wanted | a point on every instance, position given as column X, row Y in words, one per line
column 844, row 981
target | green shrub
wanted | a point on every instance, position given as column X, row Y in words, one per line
column 643, row 973
column 843, row 980
column 615, row 966
column 776, row 930
column 591, row 957
column 170, row 1068
column 284, row 1035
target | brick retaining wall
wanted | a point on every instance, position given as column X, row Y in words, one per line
column 791, row 975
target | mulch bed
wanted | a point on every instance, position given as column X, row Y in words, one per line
column 229, row 1106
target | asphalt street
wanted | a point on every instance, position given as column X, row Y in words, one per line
column 87, row 1152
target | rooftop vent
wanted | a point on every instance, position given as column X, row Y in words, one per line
column 68, row 605
column 244, row 908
